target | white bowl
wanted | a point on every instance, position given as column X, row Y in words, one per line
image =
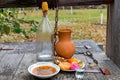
column 30, row 68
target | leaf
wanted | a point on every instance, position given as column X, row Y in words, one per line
column 1, row 10
column 17, row 28
column 16, row 24
column 24, row 33
column 5, row 14
column 34, row 28
column 9, row 20
column 6, row 29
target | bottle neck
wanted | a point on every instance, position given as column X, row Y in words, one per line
column 44, row 13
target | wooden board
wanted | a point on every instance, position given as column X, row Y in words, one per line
column 113, row 31
column 22, row 73
column 52, row 3
column 8, row 65
column 14, row 64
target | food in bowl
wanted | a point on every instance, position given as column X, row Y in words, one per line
column 44, row 70
column 73, row 60
column 70, row 64
column 59, row 59
column 64, row 66
column 74, row 66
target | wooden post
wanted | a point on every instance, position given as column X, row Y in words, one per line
column 63, row 8
column 71, row 10
column 113, row 32
column 101, row 17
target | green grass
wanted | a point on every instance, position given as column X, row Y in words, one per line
column 79, row 15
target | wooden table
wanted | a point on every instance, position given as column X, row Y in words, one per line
column 14, row 63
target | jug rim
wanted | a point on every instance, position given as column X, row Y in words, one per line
column 65, row 30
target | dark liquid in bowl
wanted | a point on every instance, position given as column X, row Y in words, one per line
column 44, row 70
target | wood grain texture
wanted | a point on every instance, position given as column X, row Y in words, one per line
column 14, row 64
column 22, row 73
column 83, row 2
column 8, row 65
column 113, row 30
column 52, row 3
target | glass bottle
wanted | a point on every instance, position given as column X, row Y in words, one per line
column 44, row 45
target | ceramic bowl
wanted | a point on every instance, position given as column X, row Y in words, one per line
column 31, row 67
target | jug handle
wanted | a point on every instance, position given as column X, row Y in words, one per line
column 53, row 41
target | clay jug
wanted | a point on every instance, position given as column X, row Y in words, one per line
column 65, row 46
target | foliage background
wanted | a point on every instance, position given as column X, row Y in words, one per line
column 20, row 25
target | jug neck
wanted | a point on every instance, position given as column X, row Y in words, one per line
column 64, row 34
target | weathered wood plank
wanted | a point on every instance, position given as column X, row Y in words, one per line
column 109, row 38
column 17, row 64
column 115, row 55
column 22, row 73
column 2, row 54
column 17, row 3
column 8, row 65
column 89, row 76
column 95, row 76
column 83, row 2
column 93, row 47
column 115, row 71
column 52, row 3
column 113, row 30
column 9, row 62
